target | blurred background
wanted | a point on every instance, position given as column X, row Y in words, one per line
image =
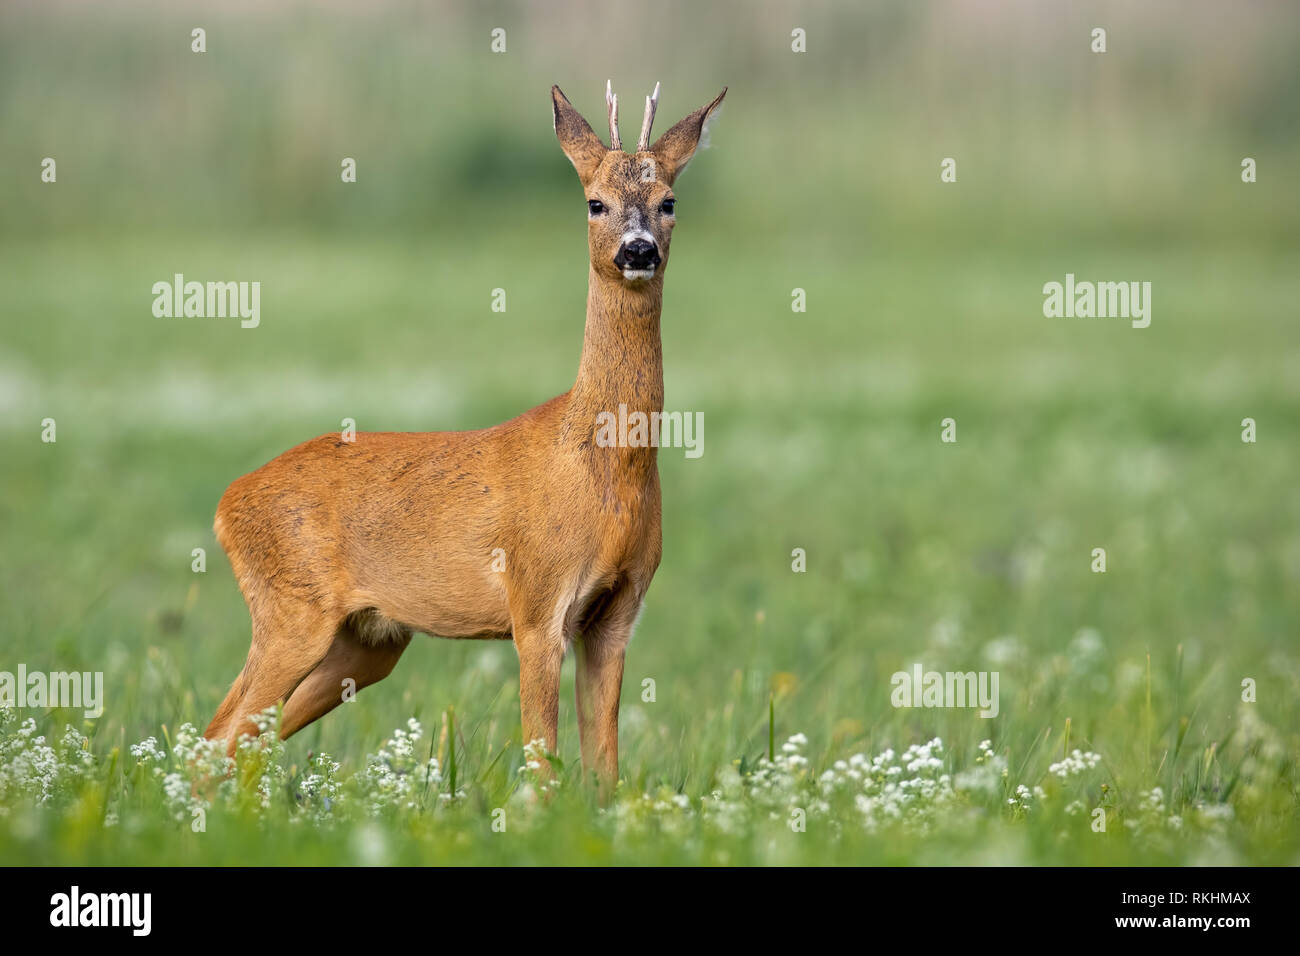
column 924, row 301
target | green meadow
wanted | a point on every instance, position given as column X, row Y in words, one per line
column 1161, row 696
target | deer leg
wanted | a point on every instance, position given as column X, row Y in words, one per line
column 290, row 638
column 600, row 653
column 541, row 654
column 349, row 658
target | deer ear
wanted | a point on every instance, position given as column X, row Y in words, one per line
column 676, row 147
column 580, row 144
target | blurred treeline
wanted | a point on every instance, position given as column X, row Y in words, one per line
column 1142, row 142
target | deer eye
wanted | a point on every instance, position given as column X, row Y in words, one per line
column 595, row 207
column 667, row 206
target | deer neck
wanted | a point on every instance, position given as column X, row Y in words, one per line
column 622, row 353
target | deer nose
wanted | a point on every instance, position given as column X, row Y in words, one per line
column 638, row 254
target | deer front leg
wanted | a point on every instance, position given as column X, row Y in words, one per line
column 541, row 654
column 600, row 653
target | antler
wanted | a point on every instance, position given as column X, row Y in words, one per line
column 651, row 103
column 612, row 102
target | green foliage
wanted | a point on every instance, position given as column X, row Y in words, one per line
column 924, row 302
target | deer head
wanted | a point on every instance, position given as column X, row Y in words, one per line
column 630, row 201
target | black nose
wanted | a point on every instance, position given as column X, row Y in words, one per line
column 637, row 254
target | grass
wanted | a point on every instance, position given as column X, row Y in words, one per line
column 822, row 434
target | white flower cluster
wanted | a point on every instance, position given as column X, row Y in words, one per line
column 883, row 789
column 534, row 756
column 320, row 790
column 396, row 777
column 913, row 799
column 1152, row 815
column 533, row 779
column 1023, row 799
column 32, row 769
column 984, row 779
column 1151, row 801
column 266, row 752
column 1074, row 764
column 197, row 764
column 148, row 752
column 917, row 789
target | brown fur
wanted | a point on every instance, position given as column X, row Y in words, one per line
column 343, row 549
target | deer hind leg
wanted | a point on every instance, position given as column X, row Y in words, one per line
column 290, row 637
column 361, row 654
column 600, row 651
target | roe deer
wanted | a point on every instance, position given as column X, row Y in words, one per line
column 343, row 549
